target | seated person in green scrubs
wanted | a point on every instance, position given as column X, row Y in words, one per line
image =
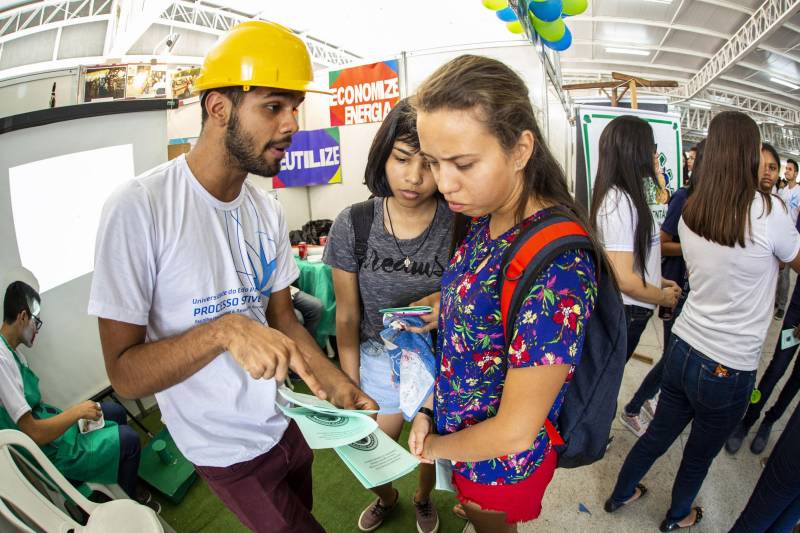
column 106, row 455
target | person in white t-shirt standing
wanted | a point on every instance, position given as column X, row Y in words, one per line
column 733, row 236
column 191, row 287
column 791, row 197
column 625, row 223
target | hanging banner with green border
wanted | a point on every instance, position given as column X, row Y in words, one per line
column 667, row 133
column 312, row 159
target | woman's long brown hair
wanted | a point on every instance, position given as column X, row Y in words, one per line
column 719, row 208
column 500, row 98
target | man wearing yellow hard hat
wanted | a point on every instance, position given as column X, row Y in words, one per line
column 191, row 287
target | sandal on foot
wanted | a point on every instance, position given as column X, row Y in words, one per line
column 672, row 525
column 611, row 506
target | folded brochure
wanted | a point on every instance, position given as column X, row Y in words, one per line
column 377, row 459
column 326, row 430
column 310, row 401
column 371, row 455
column 788, row 339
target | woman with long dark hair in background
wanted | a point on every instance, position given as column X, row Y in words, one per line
column 673, row 267
column 624, row 220
column 732, row 237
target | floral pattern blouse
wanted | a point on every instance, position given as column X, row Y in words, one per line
column 471, row 359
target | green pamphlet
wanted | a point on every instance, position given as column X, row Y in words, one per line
column 310, row 401
column 377, row 459
column 371, row 455
column 788, row 339
column 324, row 430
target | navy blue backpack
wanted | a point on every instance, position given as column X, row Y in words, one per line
column 590, row 403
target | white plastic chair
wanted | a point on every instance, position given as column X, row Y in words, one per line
column 32, row 509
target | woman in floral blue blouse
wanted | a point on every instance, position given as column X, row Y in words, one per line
column 478, row 133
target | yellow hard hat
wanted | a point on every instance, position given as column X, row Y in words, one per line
column 258, row 53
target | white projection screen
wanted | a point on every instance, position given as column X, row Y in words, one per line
column 54, row 180
column 77, row 184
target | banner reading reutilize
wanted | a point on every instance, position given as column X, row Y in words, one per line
column 312, row 159
column 364, row 94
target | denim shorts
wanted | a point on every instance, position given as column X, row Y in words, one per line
column 376, row 377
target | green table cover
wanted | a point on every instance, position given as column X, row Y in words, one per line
column 317, row 279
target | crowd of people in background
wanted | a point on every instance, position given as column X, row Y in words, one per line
column 457, row 173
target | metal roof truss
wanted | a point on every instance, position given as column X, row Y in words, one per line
column 765, row 20
column 197, row 16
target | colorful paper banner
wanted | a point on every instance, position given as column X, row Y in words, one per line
column 312, row 159
column 364, row 94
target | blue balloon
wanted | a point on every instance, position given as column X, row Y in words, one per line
column 506, row 14
column 546, row 10
column 561, row 44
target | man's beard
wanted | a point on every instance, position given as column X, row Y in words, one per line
column 243, row 153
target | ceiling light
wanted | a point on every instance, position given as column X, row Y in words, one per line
column 785, row 83
column 659, row 1
column 629, row 51
column 700, row 105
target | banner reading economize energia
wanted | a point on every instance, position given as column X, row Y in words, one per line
column 363, row 94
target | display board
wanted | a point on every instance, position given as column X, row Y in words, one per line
column 60, row 175
column 592, row 120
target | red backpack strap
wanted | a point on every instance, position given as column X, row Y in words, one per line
column 517, row 264
column 533, row 240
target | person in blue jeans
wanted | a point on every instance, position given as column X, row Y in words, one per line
column 733, row 237
column 774, row 506
column 624, row 192
column 672, row 267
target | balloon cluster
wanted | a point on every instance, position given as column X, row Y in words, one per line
column 546, row 16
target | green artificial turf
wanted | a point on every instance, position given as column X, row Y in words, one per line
column 338, row 499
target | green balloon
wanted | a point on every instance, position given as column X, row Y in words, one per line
column 495, row 5
column 549, row 31
column 515, row 27
column 574, row 7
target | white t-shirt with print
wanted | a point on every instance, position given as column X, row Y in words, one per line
column 616, row 221
column 170, row 256
column 12, row 392
column 791, row 197
column 728, row 311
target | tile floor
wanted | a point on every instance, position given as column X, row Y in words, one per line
column 723, row 495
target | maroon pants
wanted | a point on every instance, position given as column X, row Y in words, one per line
column 271, row 493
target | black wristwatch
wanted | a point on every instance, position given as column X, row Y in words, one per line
column 427, row 412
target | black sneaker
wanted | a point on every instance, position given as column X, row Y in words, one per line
column 779, row 314
column 734, row 442
column 761, row 439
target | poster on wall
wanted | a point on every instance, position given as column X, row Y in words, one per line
column 146, row 81
column 183, row 82
column 104, row 83
column 180, row 145
column 667, row 133
column 364, row 94
column 312, row 159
